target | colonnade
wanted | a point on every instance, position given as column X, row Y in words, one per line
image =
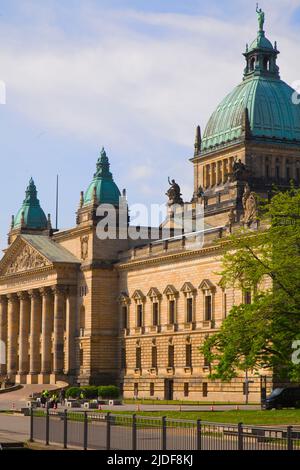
column 38, row 328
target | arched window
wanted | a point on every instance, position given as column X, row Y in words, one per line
column 267, row 63
column 252, row 64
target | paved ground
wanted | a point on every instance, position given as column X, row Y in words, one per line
column 18, row 399
column 14, row 428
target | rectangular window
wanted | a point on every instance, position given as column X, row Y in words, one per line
column 125, row 316
column 189, row 310
column 138, row 358
column 188, row 355
column 186, row 389
column 136, row 390
column 208, row 308
column 288, row 173
column 225, row 305
column 154, row 357
column 206, row 363
column 171, row 356
column 155, row 313
column 139, row 323
column 205, row 389
column 172, row 312
column 277, row 172
column 247, row 297
column 152, row 389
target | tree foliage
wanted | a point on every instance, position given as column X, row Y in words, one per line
column 262, row 334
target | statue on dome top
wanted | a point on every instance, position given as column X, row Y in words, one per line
column 261, row 18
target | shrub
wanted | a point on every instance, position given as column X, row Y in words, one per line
column 108, row 392
column 90, row 392
column 73, row 392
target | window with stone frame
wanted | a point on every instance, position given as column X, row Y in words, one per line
column 188, row 355
column 208, row 307
column 186, row 389
column 125, row 316
column 155, row 312
column 152, row 389
column 247, row 296
column 155, row 297
column 154, row 357
column 138, row 357
column 172, row 296
column 139, row 300
column 172, row 311
column 171, row 355
column 208, row 290
column 124, row 302
column 189, row 292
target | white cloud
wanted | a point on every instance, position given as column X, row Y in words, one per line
column 136, row 82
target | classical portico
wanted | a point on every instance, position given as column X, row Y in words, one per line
column 38, row 324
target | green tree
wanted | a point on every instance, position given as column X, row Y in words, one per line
column 267, row 262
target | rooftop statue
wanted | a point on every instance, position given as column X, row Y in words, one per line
column 174, row 193
column 261, row 18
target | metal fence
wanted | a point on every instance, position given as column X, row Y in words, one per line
column 106, row 431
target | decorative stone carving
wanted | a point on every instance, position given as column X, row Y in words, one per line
column 174, row 193
column 239, row 171
column 250, row 206
column 84, row 247
column 27, row 259
column 231, row 218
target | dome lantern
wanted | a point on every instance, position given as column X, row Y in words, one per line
column 261, row 56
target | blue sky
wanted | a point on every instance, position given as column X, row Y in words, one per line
column 133, row 76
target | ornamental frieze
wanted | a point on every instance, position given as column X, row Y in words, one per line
column 27, row 259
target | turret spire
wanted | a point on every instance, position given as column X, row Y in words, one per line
column 198, row 141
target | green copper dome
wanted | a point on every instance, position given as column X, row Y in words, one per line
column 31, row 215
column 271, row 112
column 103, row 185
column 261, row 42
column 267, row 100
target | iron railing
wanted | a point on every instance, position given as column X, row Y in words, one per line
column 107, row 431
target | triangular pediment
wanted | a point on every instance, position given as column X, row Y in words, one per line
column 22, row 257
column 207, row 285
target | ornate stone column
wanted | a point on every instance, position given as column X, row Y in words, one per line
column 3, row 335
column 12, row 335
column 47, row 326
column 23, row 337
column 59, row 309
column 71, row 322
column 35, row 332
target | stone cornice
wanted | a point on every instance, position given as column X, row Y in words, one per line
column 172, row 257
column 75, row 231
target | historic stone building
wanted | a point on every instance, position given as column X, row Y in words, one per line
column 82, row 309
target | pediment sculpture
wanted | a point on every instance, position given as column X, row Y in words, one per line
column 27, row 259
